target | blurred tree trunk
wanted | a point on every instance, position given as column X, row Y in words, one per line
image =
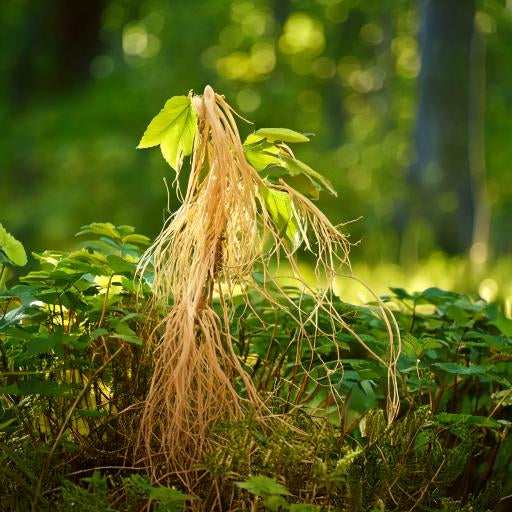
column 480, row 248
column 440, row 177
column 57, row 41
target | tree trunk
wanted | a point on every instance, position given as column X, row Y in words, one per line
column 440, row 177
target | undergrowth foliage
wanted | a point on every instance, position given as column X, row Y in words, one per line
column 70, row 410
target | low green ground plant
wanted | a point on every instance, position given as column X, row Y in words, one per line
column 74, row 374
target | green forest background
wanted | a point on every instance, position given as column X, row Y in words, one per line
column 410, row 103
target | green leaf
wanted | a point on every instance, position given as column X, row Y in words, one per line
column 130, row 338
column 120, row 265
column 259, row 153
column 275, row 503
column 39, row 387
column 97, row 333
column 279, row 207
column 458, row 315
column 296, row 167
column 263, row 486
column 303, row 184
column 12, row 248
column 12, row 317
column 41, row 344
column 100, row 228
column 281, row 134
column 12, row 389
column 401, row 294
column 447, row 418
column 171, row 500
column 259, row 277
column 366, row 386
column 499, row 320
column 136, row 239
column 91, row 413
column 304, row 507
column 7, row 423
column 435, row 295
column 460, row 369
column 173, row 129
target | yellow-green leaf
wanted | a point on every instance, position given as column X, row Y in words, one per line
column 279, row 207
column 12, row 248
column 281, row 134
column 173, row 128
column 260, row 153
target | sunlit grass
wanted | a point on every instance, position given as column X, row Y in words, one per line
column 493, row 283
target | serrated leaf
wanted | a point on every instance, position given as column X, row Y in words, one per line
column 281, row 134
column 279, row 207
column 12, row 248
column 173, row 128
column 99, row 228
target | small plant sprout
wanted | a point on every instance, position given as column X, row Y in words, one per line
column 247, row 209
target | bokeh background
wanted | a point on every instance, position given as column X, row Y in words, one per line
column 410, row 103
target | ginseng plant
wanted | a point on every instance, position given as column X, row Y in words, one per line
column 247, row 207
